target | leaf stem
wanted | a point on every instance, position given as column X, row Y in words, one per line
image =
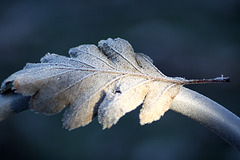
column 215, row 80
column 176, row 80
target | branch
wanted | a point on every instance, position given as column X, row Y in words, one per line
column 189, row 103
column 210, row 114
column 11, row 104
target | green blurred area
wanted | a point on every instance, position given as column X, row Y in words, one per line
column 192, row 39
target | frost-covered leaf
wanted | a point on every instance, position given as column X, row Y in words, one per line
column 107, row 81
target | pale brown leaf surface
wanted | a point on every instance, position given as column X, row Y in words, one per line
column 107, row 81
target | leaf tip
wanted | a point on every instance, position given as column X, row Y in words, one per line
column 146, row 119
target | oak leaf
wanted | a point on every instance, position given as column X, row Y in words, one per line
column 107, row 81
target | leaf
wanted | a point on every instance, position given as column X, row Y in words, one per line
column 107, row 81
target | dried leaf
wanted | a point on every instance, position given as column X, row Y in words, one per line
column 109, row 81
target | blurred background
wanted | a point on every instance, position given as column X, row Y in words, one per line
column 191, row 39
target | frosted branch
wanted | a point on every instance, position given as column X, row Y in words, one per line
column 210, row 114
column 11, row 104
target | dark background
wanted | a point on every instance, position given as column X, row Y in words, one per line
column 192, row 39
